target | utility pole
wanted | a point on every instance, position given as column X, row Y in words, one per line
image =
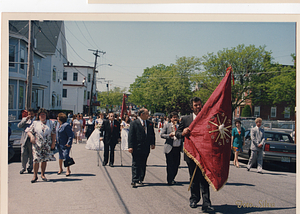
column 93, row 79
column 107, row 85
column 29, row 66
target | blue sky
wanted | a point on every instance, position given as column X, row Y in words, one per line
column 132, row 46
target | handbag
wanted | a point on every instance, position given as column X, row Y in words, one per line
column 68, row 162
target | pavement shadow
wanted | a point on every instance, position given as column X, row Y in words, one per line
column 239, row 184
column 82, row 175
column 163, row 184
column 237, row 209
column 157, row 165
column 64, row 180
column 116, row 166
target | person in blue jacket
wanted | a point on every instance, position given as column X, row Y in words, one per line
column 64, row 139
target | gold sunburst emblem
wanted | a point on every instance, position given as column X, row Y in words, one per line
column 223, row 131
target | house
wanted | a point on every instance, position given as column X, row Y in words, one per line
column 50, row 55
column 266, row 111
column 18, row 55
column 77, row 83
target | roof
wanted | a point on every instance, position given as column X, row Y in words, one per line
column 46, row 34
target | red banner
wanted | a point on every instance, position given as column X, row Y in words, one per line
column 209, row 143
column 124, row 108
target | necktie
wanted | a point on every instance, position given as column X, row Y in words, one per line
column 111, row 126
column 144, row 125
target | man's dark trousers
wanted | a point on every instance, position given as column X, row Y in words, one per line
column 199, row 184
column 139, row 161
column 173, row 161
column 111, row 147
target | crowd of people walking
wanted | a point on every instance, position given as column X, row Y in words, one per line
column 41, row 137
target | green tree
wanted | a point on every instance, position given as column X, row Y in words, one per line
column 247, row 62
column 113, row 98
column 246, row 111
column 166, row 88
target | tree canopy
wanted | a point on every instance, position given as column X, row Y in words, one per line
column 163, row 88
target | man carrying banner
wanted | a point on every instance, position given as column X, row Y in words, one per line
column 199, row 183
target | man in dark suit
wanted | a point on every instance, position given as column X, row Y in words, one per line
column 111, row 129
column 172, row 147
column 199, row 183
column 140, row 138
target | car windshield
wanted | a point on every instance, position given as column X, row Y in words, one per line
column 278, row 137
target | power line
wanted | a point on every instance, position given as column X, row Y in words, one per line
column 83, row 35
column 70, row 44
column 76, row 37
column 89, row 33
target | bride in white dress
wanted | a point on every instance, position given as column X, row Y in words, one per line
column 124, row 133
column 94, row 143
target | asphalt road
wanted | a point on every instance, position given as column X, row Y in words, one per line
column 97, row 189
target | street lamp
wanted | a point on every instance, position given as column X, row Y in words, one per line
column 104, row 64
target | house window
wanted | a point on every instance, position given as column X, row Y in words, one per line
column 88, row 95
column 256, row 111
column 89, row 77
column 273, row 111
column 54, row 74
column 21, row 97
column 53, row 101
column 75, row 76
column 37, row 69
column 64, row 93
column 34, row 69
column 22, row 58
column 12, row 53
column 65, row 76
column 84, row 95
column 11, row 97
column 287, row 112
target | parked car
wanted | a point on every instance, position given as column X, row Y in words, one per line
column 279, row 146
column 287, row 127
column 15, row 137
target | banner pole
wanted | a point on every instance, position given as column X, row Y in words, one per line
column 121, row 152
column 192, row 177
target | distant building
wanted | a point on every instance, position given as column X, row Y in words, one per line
column 266, row 111
column 50, row 55
column 77, row 83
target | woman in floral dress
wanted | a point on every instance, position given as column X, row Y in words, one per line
column 124, row 132
column 42, row 136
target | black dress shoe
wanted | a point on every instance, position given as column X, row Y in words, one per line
column 103, row 164
column 111, row 164
column 34, row 180
column 208, row 209
column 141, row 183
column 44, row 178
column 193, row 204
column 29, row 170
column 172, row 183
column 22, row 171
column 133, row 185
